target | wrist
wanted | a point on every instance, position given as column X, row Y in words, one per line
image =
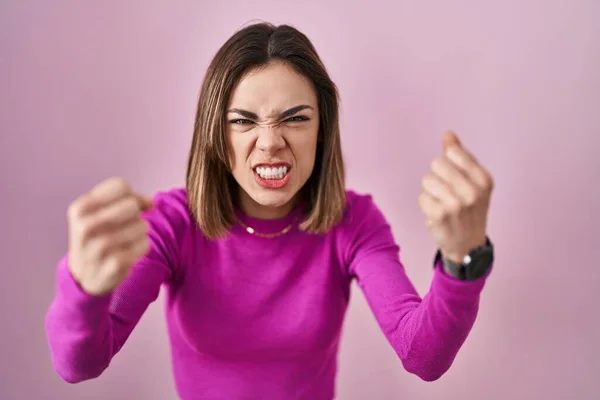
column 459, row 257
column 471, row 266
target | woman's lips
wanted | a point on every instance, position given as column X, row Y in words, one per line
column 272, row 175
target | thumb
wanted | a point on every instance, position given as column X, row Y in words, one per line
column 450, row 140
column 144, row 201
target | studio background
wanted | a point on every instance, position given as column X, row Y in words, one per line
column 90, row 90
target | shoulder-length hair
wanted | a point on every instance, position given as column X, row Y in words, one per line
column 211, row 189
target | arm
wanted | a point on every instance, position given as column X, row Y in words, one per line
column 84, row 331
column 427, row 332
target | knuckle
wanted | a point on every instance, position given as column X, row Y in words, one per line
column 488, row 181
column 128, row 209
column 132, row 203
column 74, row 210
column 119, row 184
column 125, row 210
column 129, row 206
column 485, row 179
column 437, row 164
column 86, row 228
column 426, row 180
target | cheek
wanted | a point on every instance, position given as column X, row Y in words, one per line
column 305, row 151
column 240, row 148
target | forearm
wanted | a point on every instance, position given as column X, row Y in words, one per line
column 79, row 331
column 432, row 331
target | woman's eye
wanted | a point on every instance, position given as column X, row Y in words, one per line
column 241, row 121
column 297, row 119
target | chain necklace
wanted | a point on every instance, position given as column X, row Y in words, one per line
column 252, row 231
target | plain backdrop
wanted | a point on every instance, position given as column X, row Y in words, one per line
column 90, row 90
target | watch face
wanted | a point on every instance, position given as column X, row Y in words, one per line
column 475, row 265
column 480, row 263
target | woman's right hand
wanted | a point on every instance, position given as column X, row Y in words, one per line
column 107, row 235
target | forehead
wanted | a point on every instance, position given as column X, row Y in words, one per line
column 273, row 88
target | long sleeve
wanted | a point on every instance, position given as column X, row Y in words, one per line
column 85, row 332
column 427, row 332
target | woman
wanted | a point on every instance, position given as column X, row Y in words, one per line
column 257, row 253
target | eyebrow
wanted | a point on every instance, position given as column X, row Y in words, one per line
column 287, row 113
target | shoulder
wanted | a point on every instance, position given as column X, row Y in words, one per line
column 362, row 220
column 169, row 222
column 364, row 230
column 360, row 209
column 173, row 205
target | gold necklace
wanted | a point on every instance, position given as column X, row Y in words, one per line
column 252, row 231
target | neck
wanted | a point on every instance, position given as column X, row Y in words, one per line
column 254, row 210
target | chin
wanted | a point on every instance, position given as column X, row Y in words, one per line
column 271, row 194
column 273, row 191
column 272, row 198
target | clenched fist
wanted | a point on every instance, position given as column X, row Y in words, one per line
column 106, row 235
column 455, row 199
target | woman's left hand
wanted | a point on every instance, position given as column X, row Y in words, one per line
column 455, row 199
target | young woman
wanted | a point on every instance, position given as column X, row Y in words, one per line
column 258, row 251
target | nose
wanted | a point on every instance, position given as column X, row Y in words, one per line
column 270, row 139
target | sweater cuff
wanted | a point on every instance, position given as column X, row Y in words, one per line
column 456, row 289
column 74, row 298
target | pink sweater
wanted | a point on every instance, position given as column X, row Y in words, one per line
column 257, row 318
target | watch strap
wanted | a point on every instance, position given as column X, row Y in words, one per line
column 475, row 265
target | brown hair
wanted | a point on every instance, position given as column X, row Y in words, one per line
column 211, row 188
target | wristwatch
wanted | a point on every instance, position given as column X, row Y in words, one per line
column 474, row 265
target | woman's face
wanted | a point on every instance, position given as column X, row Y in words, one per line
column 272, row 127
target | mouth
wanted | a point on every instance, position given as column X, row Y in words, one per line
column 273, row 171
column 272, row 176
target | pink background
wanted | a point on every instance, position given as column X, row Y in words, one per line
column 94, row 89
